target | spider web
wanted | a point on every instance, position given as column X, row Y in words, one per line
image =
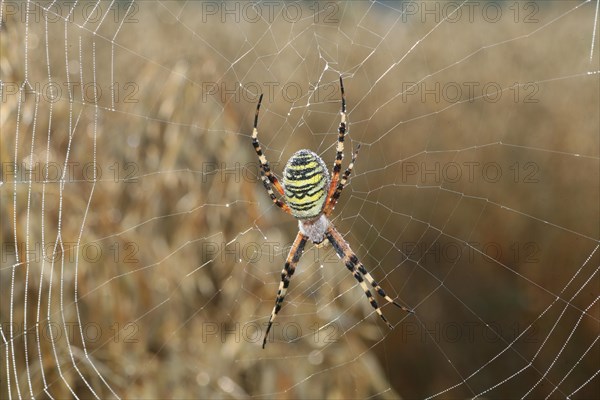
column 141, row 255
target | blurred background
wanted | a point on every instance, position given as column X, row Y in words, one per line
column 141, row 254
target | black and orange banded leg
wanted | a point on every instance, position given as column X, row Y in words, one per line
column 337, row 165
column 342, row 183
column 268, row 178
column 359, row 272
column 286, row 274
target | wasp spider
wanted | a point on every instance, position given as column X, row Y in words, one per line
column 310, row 195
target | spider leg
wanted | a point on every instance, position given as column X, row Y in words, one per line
column 286, row 274
column 337, row 165
column 268, row 178
column 342, row 183
column 378, row 288
column 358, row 270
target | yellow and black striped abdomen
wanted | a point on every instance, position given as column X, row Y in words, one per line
column 305, row 184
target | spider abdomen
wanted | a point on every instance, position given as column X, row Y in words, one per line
column 305, row 184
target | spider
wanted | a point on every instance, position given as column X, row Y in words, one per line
column 310, row 195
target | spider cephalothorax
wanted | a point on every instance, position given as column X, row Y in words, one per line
column 310, row 196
